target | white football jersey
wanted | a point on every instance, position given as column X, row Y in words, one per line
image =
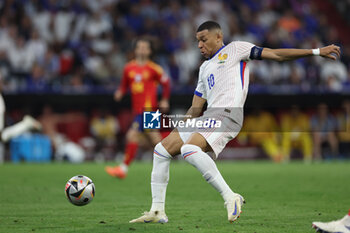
column 224, row 78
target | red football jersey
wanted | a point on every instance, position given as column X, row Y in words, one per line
column 143, row 80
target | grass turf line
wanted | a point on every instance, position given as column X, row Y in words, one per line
column 280, row 198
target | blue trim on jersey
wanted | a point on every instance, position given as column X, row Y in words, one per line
column 217, row 52
column 197, row 93
column 241, row 68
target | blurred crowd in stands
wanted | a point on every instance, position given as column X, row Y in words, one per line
column 311, row 134
column 81, row 46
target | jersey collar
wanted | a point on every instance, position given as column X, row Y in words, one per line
column 217, row 52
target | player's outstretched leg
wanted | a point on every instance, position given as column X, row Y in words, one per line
column 341, row 225
column 203, row 162
column 159, row 182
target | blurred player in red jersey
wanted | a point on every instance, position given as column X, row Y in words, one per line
column 142, row 77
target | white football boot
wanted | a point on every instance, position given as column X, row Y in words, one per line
column 152, row 216
column 339, row 226
column 234, row 207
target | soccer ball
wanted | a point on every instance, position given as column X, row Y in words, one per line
column 80, row 190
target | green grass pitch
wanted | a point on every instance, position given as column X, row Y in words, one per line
column 280, row 198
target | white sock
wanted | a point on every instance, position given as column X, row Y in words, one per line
column 204, row 163
column 160, row 177
column 15, row 130
column 124, row 167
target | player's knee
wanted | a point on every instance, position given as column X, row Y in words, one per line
column 161, row 152
column 172, row 144
column 166, row 144
column 189, row 149
column 158, row 146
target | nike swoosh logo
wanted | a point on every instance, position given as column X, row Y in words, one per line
column 78, row 194
column 235, row 212
column 147, row 221
column 348, row 227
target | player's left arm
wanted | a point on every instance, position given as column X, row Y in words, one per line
column 330, row 51
column 196, row 108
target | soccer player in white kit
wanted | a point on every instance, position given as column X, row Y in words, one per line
column 223, row 84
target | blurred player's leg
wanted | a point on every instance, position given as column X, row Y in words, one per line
column 154, row 137
column 131, row 147
column 205, row 164
column 342, row 225
column 15, row 130
column 130, row 153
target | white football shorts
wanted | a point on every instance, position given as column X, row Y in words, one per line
column 217, row 137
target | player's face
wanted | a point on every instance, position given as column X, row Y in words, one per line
column 143, row 49
column 209, row 42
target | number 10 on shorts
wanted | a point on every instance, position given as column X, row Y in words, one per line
column 211, row 81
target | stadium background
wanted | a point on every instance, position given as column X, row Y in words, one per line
column 60, row 61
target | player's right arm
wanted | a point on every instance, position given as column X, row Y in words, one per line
column 196, row 108
column 124, row 86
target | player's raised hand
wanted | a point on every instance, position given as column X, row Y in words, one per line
column 330, row 51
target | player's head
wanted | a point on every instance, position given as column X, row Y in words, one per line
column 210, row 38
column 143, row 48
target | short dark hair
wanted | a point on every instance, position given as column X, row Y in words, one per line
column 208, row 25
column 144, row 39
